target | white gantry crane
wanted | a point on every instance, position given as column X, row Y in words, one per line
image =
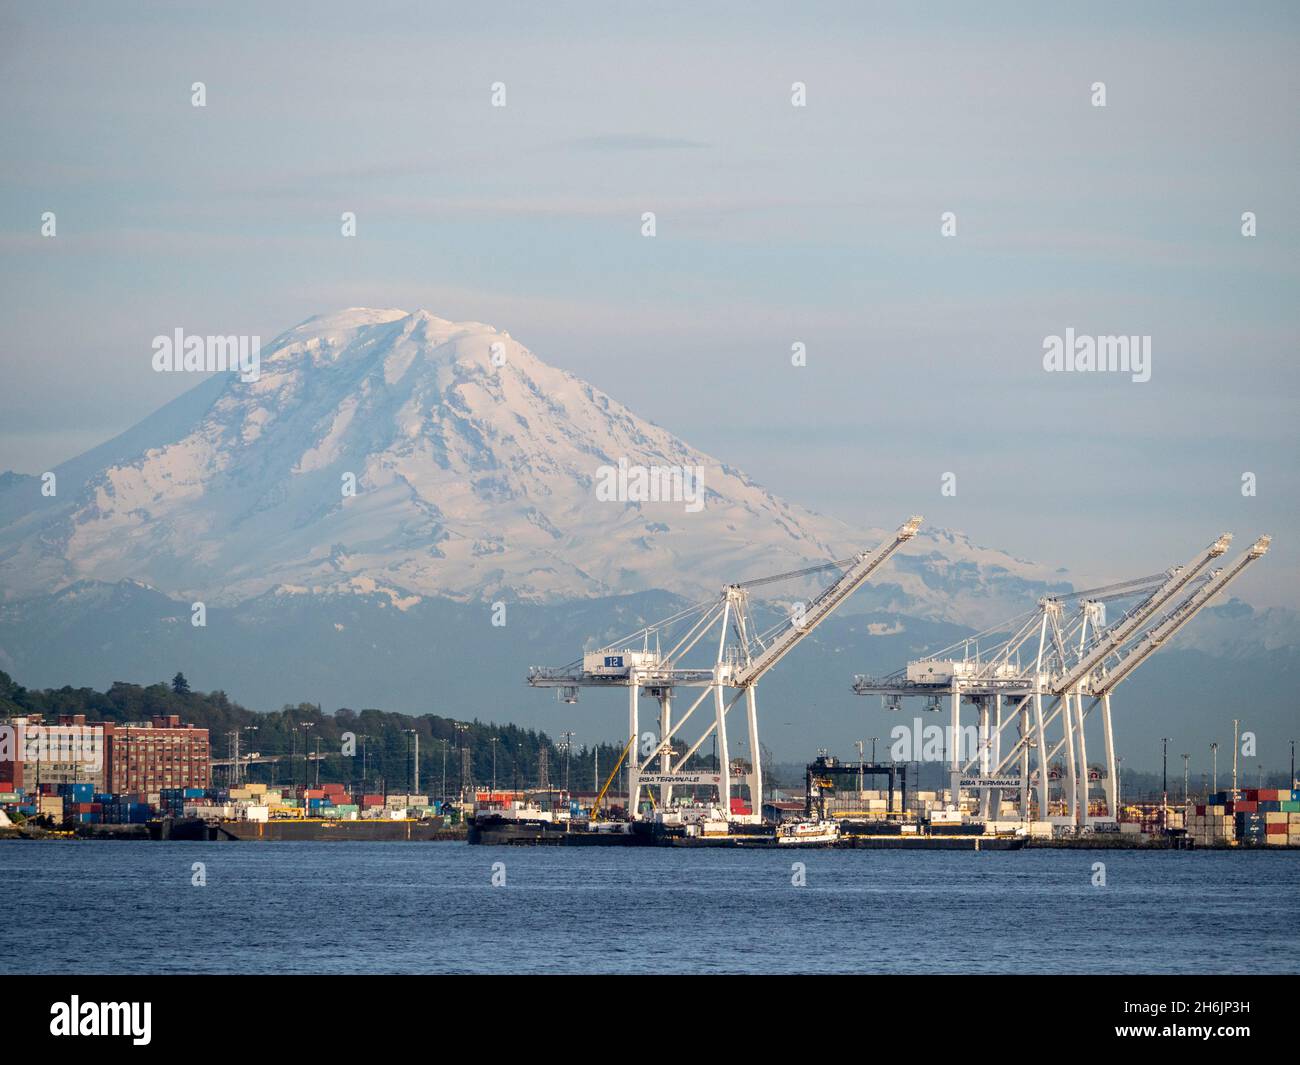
column 1060, row 653
column 716, row 647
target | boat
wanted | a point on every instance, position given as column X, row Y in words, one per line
column 807, row 833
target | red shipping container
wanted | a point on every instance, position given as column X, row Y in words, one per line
column 1251, row 794
column 1275, row 830
column 315, row 793
column 1246, row 806
column 372, row 800
column 1273, row 795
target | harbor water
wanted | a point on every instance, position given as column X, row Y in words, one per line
column 287, row 908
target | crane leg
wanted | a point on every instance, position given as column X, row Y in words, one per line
column 1083, row 760
column 1042, row 756
column 666, row 758
column 724, row 760
column 995, row 797
column 1024, row 763
column 986, row 794
column 1112, row 807
column 755, row 755
column 1072, row 781
column 633, row 763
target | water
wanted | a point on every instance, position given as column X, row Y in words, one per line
column 116, row 907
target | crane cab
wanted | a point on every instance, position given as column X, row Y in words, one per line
column 611, row 663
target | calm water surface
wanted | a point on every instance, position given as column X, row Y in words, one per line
column 113, row 907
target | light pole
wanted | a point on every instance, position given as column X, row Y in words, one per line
column 306, row 755
column 1164, row 782
column 461, row 729
column 568, row 751
column 1293, row 764
column 494, row 740
column 250, row 728
column 1186, row 765
column 859, row 746
column 1236, row 747
column 873, row 749
column 1214, row 753
column 1119, row 772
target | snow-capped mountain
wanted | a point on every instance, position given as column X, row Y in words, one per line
column 479, row 472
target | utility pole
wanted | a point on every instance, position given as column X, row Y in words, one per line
column 417, row 760
column 318, row 759
column 444, row 770
column 494, row 740
column 1214, row 753
column 1186, row 765
column 1293, row 764
column 859, row 746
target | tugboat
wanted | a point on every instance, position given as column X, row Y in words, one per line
column 807, row 833
column 518, row 821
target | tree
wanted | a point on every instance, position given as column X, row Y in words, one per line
column 180, row 685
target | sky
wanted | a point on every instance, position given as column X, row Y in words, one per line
column 775, row 225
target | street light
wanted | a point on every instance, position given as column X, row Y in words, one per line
column 306, row 755
column 249, row 728
column 1214, row 751
column 1186, row 764
column 1164, row 782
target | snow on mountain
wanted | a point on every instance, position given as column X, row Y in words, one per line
column 478, row 472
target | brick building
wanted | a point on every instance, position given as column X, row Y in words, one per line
column 161, row 754
column 118, row 758
column 34, row 752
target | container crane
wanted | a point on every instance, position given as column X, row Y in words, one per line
column 1060, row 657
column 743, row 654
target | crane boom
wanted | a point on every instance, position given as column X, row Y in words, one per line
column 1180, row 616
column 1123, row 630
column 862, row 567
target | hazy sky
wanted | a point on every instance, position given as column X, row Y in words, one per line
column 776, row 224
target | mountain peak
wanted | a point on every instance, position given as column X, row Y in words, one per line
column 429, row 457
